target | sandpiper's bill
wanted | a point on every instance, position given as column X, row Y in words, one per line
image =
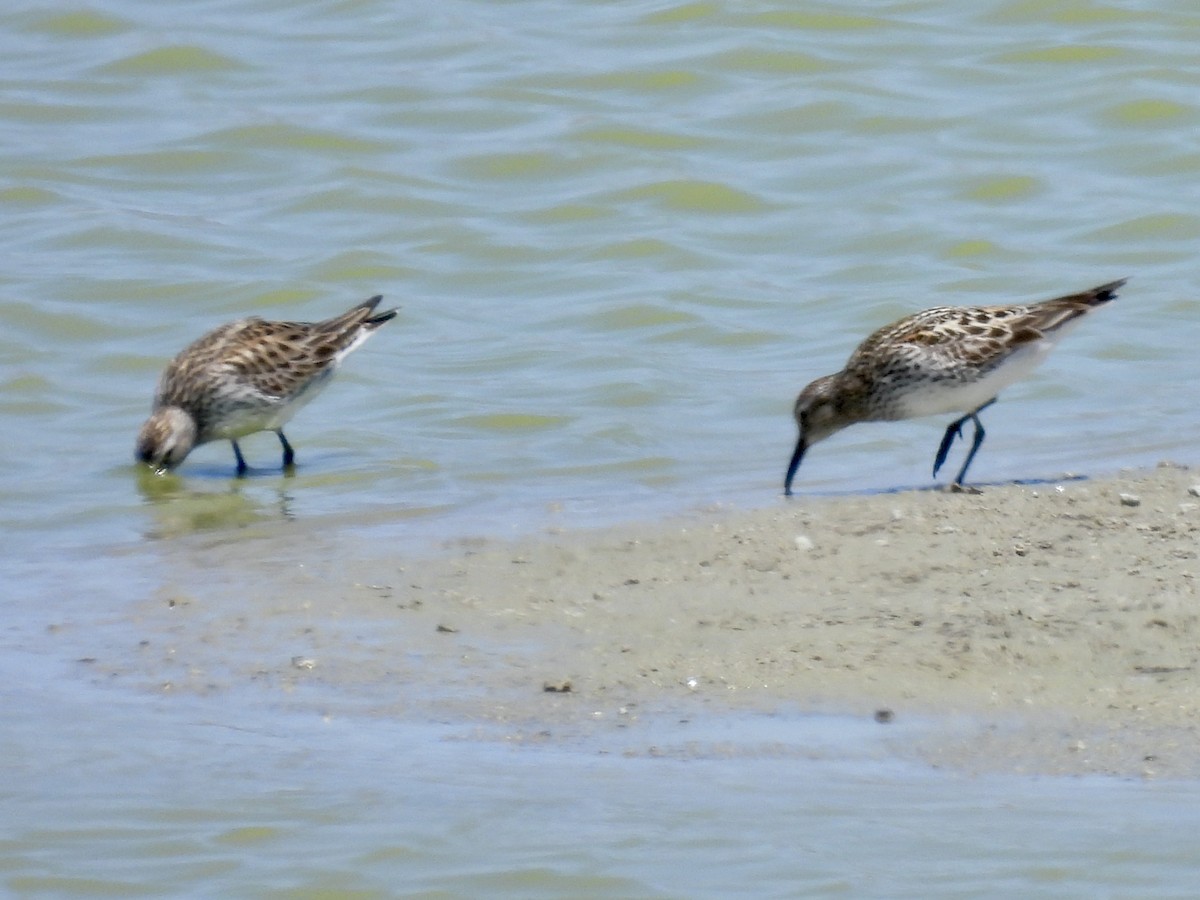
column 248, row 376
column 941, row 360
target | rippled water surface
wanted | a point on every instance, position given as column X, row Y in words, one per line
column 622, row 237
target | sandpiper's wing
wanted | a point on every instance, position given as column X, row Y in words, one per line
column 946, row 336
column 270, row 361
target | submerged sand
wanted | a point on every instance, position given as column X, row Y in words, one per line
column 1049, row 628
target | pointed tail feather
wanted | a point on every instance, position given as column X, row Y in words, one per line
column 358, row 316
column 1102, row 294
column 376, row 321
column 1050, row 315
column 1097, row 296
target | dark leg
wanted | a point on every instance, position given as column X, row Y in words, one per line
column 289, row 455
column 953, row 430
column 241, row 463
column 979, row 433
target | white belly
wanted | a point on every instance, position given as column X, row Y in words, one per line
column 248, row 411
column 939, row 397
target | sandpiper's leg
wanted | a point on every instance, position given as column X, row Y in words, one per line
column 242, row 468
column 289, row 455
column 953, row 430
column 979, row 433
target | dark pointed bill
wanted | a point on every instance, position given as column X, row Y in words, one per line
column 797, row 455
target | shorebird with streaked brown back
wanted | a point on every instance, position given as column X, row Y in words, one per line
column 941, row 360
column 248, row 376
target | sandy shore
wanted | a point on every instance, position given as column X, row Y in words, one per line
column 1049, row 628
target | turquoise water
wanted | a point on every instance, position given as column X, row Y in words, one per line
column 623, row 236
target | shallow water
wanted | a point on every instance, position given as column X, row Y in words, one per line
column 622, row 237
column 133, row 797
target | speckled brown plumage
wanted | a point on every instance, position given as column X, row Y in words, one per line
column 247, row 376
column 945, row 359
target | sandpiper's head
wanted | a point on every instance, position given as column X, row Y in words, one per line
column 166, row 438
column 820, row 412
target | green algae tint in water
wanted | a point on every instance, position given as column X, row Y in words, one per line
column 770, row 184
column 622, row 239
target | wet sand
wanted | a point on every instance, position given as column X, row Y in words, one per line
column 1048, row 629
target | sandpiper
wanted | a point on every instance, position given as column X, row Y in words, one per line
column 248, row 376
column 941, row 360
